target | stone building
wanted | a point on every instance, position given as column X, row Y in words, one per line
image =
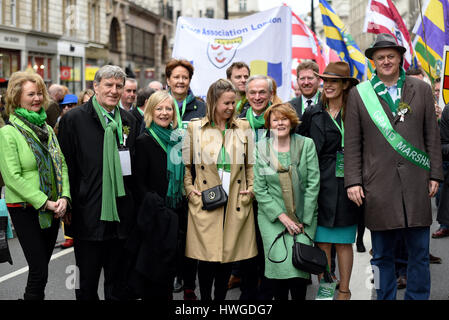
column 139, row 37
column 66, row 41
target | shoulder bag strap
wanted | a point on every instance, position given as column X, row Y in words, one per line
column 281, row 234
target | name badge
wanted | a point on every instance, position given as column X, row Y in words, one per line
column 125, row 161
column 340, row 165
column 225, row 178
column 184, row 125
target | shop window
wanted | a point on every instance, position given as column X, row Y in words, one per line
column 42, row 65
column 70, row 72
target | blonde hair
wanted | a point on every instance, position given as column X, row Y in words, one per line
column 153, row 101
column 275, row 99
column 285, row 109
column 89, row 92
column 15, row 86
column 214, row 93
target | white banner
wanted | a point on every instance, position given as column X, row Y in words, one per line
column 262, row 40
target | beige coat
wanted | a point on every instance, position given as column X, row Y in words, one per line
column 214, row 235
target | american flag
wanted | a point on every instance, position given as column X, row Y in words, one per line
column 383, row 17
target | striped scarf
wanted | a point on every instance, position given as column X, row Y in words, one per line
column 382, row 91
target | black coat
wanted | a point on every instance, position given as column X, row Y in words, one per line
column 81, row 139
column 194, row 109
column 152, row 247
column 334, row 207
column 138, row 116
column 150, row 169
column 443, row 208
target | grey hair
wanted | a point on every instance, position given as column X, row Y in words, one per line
column 109, row 71
column 260, row 77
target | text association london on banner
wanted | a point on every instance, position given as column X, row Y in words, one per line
column 261, row 40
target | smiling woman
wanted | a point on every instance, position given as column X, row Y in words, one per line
column 159, row 174
column 35, row 175
column 216, row 155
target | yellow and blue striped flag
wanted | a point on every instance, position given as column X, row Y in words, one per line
column 432, row 34
column 338, row 38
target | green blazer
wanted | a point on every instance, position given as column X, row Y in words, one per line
column 271, row 204
column 19, row 168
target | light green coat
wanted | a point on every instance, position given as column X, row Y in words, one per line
column 19, row 168
column 271, row 204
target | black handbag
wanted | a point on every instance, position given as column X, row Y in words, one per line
column 214, row 198
column 310, row 259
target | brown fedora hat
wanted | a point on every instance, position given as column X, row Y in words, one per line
column 338, row 70
column 384, row 41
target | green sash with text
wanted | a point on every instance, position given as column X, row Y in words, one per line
column 380, row 119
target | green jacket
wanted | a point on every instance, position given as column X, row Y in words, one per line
column 271, row 204
column 19, row 168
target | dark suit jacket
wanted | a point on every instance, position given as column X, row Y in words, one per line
column 297, row 104
column 81, row 139
column 396, row 190
column 137, row 115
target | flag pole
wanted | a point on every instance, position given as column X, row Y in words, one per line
column 425, row 41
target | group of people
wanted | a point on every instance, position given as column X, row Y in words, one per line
column 171, row 188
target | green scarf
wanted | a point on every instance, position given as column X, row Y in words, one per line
column 382, row 91
column 49, row 164
column 241, row 103
column 255, row 122
column 112, row 184
column 37, row 118
column 170, row 141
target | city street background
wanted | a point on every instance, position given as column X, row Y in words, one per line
column 61, row 271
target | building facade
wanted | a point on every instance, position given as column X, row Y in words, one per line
column 67, row 41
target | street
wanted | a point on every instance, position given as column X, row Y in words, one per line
column 61, row 282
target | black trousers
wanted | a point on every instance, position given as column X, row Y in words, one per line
column 94, row 256
column 216, row 274
column 296, row 286
column 37, row 245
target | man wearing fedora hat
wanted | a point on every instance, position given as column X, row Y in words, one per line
column 393, row 166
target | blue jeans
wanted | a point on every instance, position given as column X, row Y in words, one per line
column 383, row 263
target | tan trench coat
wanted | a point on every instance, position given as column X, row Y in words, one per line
column 396, row 190
column 213, row 235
